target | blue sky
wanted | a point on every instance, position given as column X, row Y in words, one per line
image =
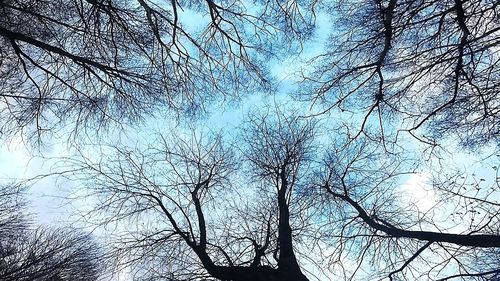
column 17, row 160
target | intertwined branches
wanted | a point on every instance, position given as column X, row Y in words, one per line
column 429, row 65
column 28, row 252
column 270, row 206
column 91, row 62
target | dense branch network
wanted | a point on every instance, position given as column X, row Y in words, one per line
column 93, row 62
column 260, row 209
column 284, row 197
column 29, row 252
column 430, row 67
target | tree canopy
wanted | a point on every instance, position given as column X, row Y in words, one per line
column 431, row 64
column 278, row 201
column 92, row 62
column 379, row 162
column 29, row 252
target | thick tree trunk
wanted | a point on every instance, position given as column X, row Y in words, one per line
column 261, row 273
column 287, row 263
column 248, row 273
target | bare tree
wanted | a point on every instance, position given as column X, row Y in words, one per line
column 429, row 65
column 90, row 62
column 193, row 219
column 265, row 206
column 453, row 228
column 45, row 254
column 42, row 253
column 269, row 208
column 12, row 219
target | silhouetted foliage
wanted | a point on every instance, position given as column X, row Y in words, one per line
column 203, row 223
column 320, row 196
column 12, row 219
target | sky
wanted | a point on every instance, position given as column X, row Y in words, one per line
column 17, row 160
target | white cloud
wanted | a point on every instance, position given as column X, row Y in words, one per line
column 417, row 192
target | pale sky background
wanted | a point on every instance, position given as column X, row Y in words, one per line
column 17, row 162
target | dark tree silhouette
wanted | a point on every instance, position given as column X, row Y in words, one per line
column 429, row 65
column 266, row 208
column 12, row 220
column 90, row 62
column 50, row 254
column 453, row 228
column 29, row 253
column 204, row 223
column 284, row 198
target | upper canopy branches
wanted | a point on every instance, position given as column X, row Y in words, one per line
column 90, row 62
column 281, row 199
column 433, row 65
